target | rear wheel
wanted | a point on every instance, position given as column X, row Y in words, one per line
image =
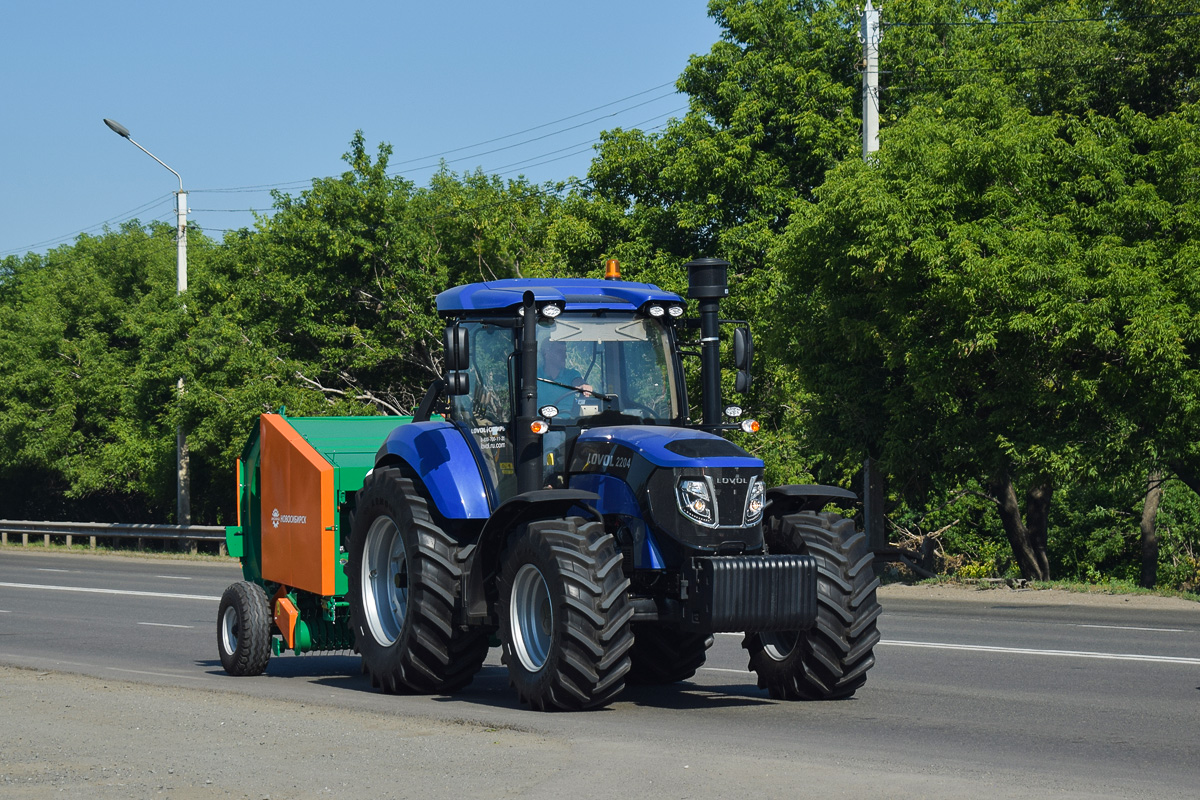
column 666, row 655
column 403, row 582
column 244, row 629
column 829, row 661
column 564, row 615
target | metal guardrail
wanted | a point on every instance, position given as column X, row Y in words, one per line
column 186, row 534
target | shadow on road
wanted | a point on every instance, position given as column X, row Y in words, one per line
column 298, row 666
column 687, row 696
column 490, row 686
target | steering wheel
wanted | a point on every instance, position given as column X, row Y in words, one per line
column 647, row 411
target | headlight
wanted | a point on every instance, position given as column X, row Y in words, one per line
column 756, row 499
column 695, row 500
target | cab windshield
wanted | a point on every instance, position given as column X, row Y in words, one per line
column 590, row 364
column 593, row 369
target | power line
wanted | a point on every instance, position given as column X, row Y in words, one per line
column 968, row 70
column 1064, row 21
column 123, row 217
column 552, row 152
column 534, row 139
column 304, row 183
column 300, row 184
column 555, row 122
column 533, row 161
column 568, row 155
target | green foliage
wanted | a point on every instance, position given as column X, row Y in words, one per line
column 87, row 393
column 1009, row 291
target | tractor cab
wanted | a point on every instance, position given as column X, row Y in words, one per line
column 604, row 354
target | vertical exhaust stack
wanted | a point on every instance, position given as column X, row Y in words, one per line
column 708, row 282
column 527, row 443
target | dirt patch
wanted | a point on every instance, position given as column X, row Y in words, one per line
column 1034, row 597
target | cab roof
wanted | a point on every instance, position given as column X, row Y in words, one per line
column 576, row 294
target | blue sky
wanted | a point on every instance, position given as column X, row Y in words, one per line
column 259, row 94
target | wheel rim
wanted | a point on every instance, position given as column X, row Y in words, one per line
column 778, row 645
column 385, row 581
column 229, row 630
column 532, row 618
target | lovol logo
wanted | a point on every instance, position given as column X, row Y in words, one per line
column 287, row 519
column 608, row 460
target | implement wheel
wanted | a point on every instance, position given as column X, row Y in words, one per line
column 403, row 585
column 564, row 615
column 829, row 661
column 244, row 629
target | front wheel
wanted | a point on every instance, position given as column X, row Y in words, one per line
column 829, row 661
column 244, row 629
column 564, row 615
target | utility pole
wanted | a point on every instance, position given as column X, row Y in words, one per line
column 873, row 491
column 183, row 478
column 869, row 34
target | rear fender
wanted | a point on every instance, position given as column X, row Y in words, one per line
column 439, row 456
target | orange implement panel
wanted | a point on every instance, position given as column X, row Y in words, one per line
column 298, row 548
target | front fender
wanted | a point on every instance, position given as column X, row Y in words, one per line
column 795, row 497
column 440, row 457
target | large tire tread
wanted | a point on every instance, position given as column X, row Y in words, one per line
column 831, row 660
column 432, row 655
column 252, row 648
column 588, row 659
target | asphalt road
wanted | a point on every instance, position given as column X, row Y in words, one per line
column 1020, row 694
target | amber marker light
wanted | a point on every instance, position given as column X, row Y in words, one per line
column 750, row 426
column 539, row 426
column 612, row 270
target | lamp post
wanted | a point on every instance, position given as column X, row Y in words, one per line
column 183, row 487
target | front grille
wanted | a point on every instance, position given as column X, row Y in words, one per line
column 729, row 485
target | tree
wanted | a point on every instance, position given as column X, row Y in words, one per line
column 990, row 298
column 88, row 407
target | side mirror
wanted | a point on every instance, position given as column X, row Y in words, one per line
column 457, row 352
column 743, row 358
column 458, row 383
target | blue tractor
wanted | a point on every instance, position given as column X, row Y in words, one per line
column 565, row 504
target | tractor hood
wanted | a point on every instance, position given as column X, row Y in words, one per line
column 642, row 471
column 601, row 449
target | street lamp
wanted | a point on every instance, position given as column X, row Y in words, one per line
column 183, row 488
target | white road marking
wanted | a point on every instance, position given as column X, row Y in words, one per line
column 125, row 592
column 1132, row 628
column 2, row 611
column 47, row 569
column 1034, row 652
column 165, row 625
column 173, row 577
column 719, row 669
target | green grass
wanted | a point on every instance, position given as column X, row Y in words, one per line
column 36, row 546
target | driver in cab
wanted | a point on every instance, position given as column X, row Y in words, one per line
column 560, row 386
